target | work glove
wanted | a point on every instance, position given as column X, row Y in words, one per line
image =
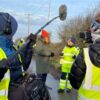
column 32, row 38
column 74, row 57
column 61, row 54
column 52, row 54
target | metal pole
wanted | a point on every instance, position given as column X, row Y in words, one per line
column 28, row 23
column 46, row 25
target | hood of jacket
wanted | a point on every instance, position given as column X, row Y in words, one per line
column 4, row 18
column 94, row 52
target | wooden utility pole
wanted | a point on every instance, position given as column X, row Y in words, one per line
column 28, row 15
column 49, row 9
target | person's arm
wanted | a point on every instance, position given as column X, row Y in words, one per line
column 26, row 56
column 3, row 64
column 27, row 52
column 2, row 71
column 77, row 73
column 76, row 52
column 62, row 53
column 45, row 53
column 38, row 50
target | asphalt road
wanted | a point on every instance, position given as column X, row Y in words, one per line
column 53, row 87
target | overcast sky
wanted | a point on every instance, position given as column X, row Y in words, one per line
column 38, row 12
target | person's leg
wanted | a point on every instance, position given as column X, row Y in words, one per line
column 62, row 82
column 44, row 77
column 68, row 86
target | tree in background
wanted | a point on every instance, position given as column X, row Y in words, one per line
column 73, row 26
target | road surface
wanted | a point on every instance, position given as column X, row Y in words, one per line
column 52, row 83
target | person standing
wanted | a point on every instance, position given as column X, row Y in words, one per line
column 85, row 72
column 42, row 55
column 68, row 54
column 11, row 71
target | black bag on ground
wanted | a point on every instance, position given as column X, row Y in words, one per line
column 30, row 88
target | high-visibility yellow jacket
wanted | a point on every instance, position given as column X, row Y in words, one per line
column 67, row 59
column 90, row 88
column 4, row 83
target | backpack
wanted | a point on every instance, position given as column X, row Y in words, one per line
column 30, row 87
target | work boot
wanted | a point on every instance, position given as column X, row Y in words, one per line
column 68, row 90
column 60, row 91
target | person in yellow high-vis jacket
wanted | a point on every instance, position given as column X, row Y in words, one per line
column 85, row 72
column 13, row 71
column 69, row 54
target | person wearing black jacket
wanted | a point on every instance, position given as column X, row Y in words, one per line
column 85, row 72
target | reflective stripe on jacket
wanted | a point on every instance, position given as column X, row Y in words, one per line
column 19, row 57
column 4, row 83
column 90, row 89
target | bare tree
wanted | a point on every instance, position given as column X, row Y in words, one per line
column 74, row 26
